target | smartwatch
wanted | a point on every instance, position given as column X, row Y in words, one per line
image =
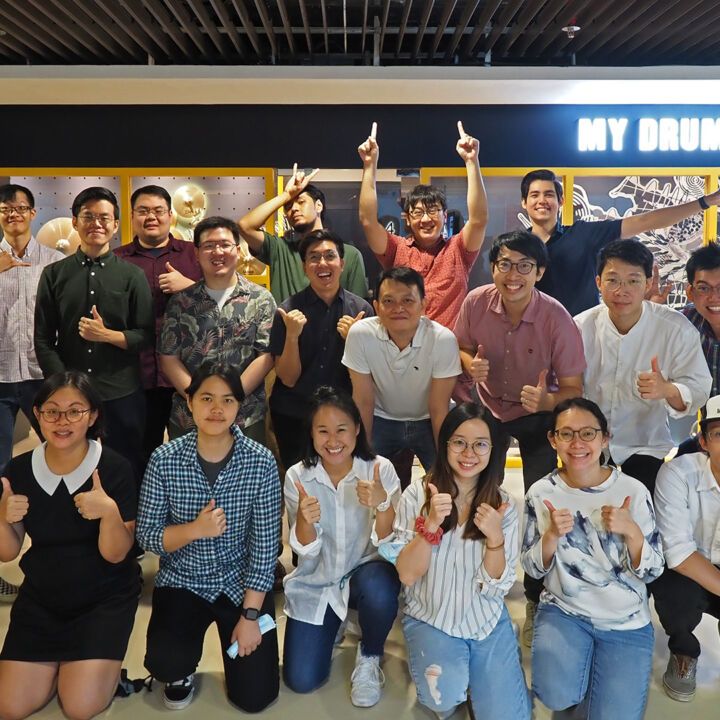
column 250, row 613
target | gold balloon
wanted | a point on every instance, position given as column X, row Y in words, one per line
column 190, row 205
column 59, row 234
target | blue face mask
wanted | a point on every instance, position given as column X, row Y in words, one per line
column 390, row 550
column 265, row 623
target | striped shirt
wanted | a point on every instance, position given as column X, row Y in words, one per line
column 173, row 492
column 18, row 288
column 710, row 344
column 345, row 537
column 456, row 595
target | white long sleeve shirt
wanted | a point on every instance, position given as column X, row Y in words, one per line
column 345, row 537
column 687, row 502
column 456, row 594
column 614, row 361
column 591, row 574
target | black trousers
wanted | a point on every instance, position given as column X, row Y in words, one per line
column 158, row 403
column 290, row 435
column 680, row 603
column 125, row 427
column 643, row 468
column 175, row 637
column 538, row 459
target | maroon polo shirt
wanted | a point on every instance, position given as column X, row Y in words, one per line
column 181, row 255
column 545, row 339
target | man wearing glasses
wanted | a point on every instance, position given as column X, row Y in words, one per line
column 94, row 314
column 22, row 259
column 524, row 353
column 224, row 318
column 170, row 266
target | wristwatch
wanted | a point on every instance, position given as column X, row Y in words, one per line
column 250, row 613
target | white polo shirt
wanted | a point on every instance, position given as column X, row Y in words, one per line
column 402, row 377
column 687, row 505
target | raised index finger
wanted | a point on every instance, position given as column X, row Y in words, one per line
column 294, row 169
column 373, row 131
column 461, row 129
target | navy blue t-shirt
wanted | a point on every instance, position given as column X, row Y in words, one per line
column 573, row 250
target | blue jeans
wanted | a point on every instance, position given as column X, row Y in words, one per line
column 445, row 667
column 391, row 436
column 573, row 663
column 307, row 652
column 14, row 396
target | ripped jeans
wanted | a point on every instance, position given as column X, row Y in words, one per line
column 444, row 668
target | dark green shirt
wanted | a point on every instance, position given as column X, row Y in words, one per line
column 287, row 276
column 67, row 291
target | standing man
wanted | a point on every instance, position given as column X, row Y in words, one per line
column 94, row 314
column 307, row 339
column 170, row 266
column 224, row 318
column 573, row 248
column 403, row 368
column 443, row 264
column 22, row 259
column 304, row 206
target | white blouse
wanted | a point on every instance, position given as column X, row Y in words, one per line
column 345, row 537
column 456, row 594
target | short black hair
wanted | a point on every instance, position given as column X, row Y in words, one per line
column 405, row 275
column 82, row 383
column 426, row 195
column 632, row 252
column 212, row 368
column 94, row 194
column 316, row 194
column 580, row 403
column 317, row 236
column 212, row 223
column 521, row 241
column 704, row 258
column 9, row 191
column 337, row 398
column 543, row 174
column 155, row 191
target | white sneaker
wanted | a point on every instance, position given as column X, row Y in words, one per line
column 178, row 695
column 367, row 680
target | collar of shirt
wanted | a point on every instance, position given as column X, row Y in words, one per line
column 531, row 311
column 432, row 250
column 707, row 483
column 173, row 245
column 312, row 298
column 32, row 249
column 356, row 472
column 703, row 326
column 74, row 480
column 189, row 454
column 241, row 287
column 100, row 260
column 558, row 232
column 637, row 327
column 418, row 337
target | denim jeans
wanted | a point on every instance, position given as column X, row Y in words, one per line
column 607, row 672
column 14, row 396
column 445, row 667
column 391, row 436
column 307, row 654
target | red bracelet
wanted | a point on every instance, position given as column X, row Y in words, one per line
column 432, row 537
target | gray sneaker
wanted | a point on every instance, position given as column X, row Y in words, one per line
column 529, row 626
column 679, row 678
column 367, row 680
column 8, row 591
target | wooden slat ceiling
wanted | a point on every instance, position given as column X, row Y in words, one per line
column 359, row 32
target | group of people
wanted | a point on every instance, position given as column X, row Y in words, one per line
column 106, row 351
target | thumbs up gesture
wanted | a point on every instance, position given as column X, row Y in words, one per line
column 534, row 398
column 561, row 521
column 467, row 146
column 346, row 322
column 94, row 504
column 13, row 508
column 294, row 322
column 210, row 521
column 371, row 493
column 369, row 151
column 173, row 280
column 653, row 385
column 480, row 366
column 619, row 519
column 440, row 507
column 93, row 328
column 308, row 506
column 488, row 521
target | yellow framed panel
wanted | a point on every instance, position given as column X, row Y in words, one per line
column 568, row 173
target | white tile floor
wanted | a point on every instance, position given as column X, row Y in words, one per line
column 398, row 702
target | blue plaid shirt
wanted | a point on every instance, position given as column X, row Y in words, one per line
column 710, row 344
column 173, row 492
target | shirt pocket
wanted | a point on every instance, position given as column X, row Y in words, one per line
column 114, row 311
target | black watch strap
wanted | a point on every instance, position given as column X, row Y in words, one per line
column 250, row 613
column 703, row 203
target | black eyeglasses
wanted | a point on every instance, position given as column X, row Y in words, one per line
column 524, row 267
column 72, row 415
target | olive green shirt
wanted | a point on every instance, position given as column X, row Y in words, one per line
column 287, row 276
column 66, row 292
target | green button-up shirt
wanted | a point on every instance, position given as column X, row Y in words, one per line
column 67, row 291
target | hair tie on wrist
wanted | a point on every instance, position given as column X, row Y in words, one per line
column 703, row 203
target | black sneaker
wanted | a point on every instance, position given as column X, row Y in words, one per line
column 8, row 591
column 178, row 695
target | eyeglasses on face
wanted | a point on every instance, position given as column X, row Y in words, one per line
column 88, row 218
column 72, row 415
column 10, row 209
column 700, row 288
column 586, row 434
column 417, row 213
column 316, row 258
column 612, row 284
column 524, row 267
column 459, row 445
column 225, row 246
column 158, row 212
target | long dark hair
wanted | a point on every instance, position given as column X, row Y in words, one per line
column 326, row 395
column 441, row 474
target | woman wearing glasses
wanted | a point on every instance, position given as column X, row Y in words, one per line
column 76, row 499
column 460, row 535
column 590, row 534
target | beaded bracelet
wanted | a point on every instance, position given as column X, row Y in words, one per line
column 432, row 537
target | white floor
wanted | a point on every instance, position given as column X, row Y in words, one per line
column 332, row 701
